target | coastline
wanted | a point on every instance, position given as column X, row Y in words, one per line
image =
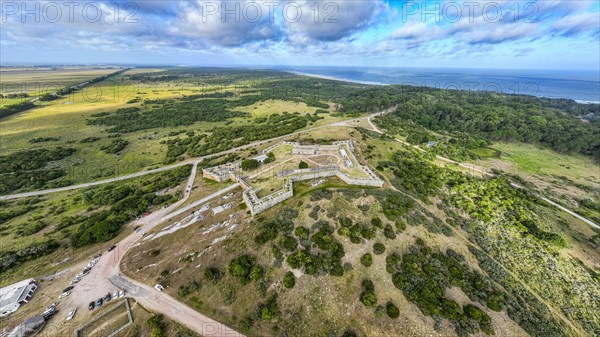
column 333, row 78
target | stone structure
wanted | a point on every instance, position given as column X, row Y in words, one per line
column 258, row 205
column 220, row 173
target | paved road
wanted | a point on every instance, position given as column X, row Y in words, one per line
column 106, row 277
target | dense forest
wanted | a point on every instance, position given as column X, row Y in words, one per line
column 487, row 115
column 227, row 137
column 28, row 169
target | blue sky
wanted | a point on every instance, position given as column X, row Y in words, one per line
column 452, row 34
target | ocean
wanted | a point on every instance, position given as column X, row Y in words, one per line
column 582, row 86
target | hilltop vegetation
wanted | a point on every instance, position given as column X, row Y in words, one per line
column 488, row 115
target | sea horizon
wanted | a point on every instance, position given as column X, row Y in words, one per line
column 579, row 85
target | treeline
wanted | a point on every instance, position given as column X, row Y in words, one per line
column 14, row 95
column 488, row 115
column 11, row 109
column 67, row 90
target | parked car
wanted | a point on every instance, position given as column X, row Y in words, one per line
column 91, row 306
column 49, row 312
column 97, row 255
column 99, row 302
column 111, row 248
column 71, row 314
column 121, row 293
column 107, row 298
column 63, row 295
column 116, row 294
column 159, row 287
column 67, row 289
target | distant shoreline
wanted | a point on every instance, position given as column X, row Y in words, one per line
column 333, row 78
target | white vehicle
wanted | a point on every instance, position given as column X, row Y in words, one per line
column 116, row 294
column 71, row 314
column 63, row 295
column 159, row 287
column 75, row 280
column 121, row 293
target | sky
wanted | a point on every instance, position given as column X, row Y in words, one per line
column 542, row 34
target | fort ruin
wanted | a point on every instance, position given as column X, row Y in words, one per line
column 335, row 160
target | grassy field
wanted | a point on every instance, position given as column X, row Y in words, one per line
column 524, row 159
column 65, row 122
column 39, row 81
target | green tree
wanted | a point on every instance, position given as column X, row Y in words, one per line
column 392, row 310
column 302, row 165
column 378, row 248
column 366, row 260
column 289, row 280
column 368, row 298
column 250, row 164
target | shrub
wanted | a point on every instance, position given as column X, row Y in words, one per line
column 256, row 273
column 302, row 233
column 289, row 280
column 495, row 302
column 213, row 274
column 366, row 260
column 189, row 288
column 157, row 325
column 378, row 248
column 268, row 309
column 368, row 285
column 368, row 298
column 376, row 221
column 241, row 267
column 400, row 225
column 302, row 165
column 392, row 310
column 388, row 232
column 289, row 243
